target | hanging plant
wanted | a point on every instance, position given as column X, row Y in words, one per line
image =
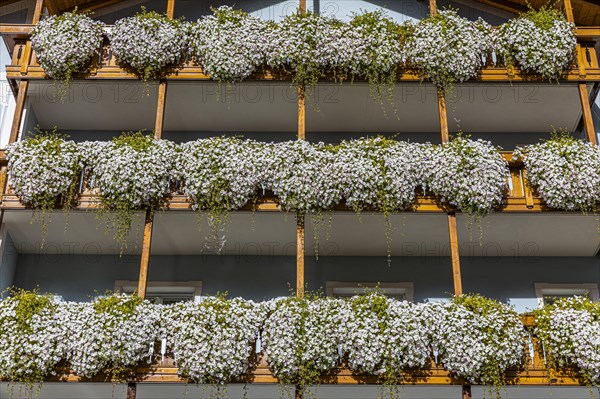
column 149, row 43
column 565, row 172
column 307, row 45
column 32, row 338
column 221, row 174
column 470, row 175
column 65, row 44
column 303, row 339
column 476, row 338
column 541, row 42
column 386, row 336
column 377, row 50
column 213, row 341
column 229, row 45
column 569, row 331
column 43, row 171
column 379, row 174
column 447, row 48
column 131, row 173
column 111, row 335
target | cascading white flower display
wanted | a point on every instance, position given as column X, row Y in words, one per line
column 565, row 172
column 229, row 45
column 306, row 44
column 379, row 173
column 148, row 43
column 447, row 48
column 213, row 341
column 476, row 338
column 111, row 335
column 540, row 42
column 304, row 338
column 132, row 172
column 376, row 50
column 32, row 337
column 220, row 173
column 301, row 175
column 569, row 330
column 43, row 170
column 64, row 44
column 386, row 336
column 470, row 175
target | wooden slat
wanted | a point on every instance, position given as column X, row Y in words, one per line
column 588, row 122
column 441, row 96
column 145, row 258
column 170, row 9
column 568, row 8
column 301, row 112
column 454, row 254
column 160, row 109
column 18, row 115
column 37, row 12
column 300, row 256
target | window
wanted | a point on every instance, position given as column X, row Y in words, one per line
column 164, row 292
column 549, row 293
column 402, row 291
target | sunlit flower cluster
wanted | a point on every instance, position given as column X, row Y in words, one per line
column 448, row 48
column 565, row 172
column 65, row 44
column 148, row 43
column 541, row 42
column 229, row 45
column 569, row 330
column 212, row 341
column 468, row 174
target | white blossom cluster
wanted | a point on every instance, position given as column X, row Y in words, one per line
column 148, row 43
column 65, row 44
column 570, row 333
column 448, row 48
column 302, row 175
column 212, row 341
column 386, row 335
column 307, row 45
column 379, row 173
column 478, row 343
column 565, row 172
column 30, row 349
column 112, row 334
column 126, row 175
column 468, row 174
column 304, row 338
column 220, row 173
column 43, row 169
column 218, row 340
column 229, row 45
column 541, row 42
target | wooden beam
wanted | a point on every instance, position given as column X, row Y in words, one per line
column 588, row 122
column 37, row 13
column 170, row 9
column 505, row 5
column 302, row 6
column 300, row 256
column 145, row 258
column 432, row 7
column 301, row 112
column 441, row 94
column 568, row 8
column 19, row 107
column 456, row 275
column 160, row 109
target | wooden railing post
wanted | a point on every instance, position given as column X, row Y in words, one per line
column 454, row 250
column 19, row 108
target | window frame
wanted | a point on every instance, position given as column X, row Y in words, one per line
column 409, row 290
column 194, row 286
column 546, row 289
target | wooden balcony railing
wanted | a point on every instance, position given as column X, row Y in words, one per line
column 519, row 197
column 105, row 66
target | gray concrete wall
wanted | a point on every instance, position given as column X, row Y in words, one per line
column 8, row 263
column 260, row 277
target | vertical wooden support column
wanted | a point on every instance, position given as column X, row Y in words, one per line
column 170, row 9
column 432, row 7
column 37, row 14
column 584, row 97
column 454, row 253
column 19, row 107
